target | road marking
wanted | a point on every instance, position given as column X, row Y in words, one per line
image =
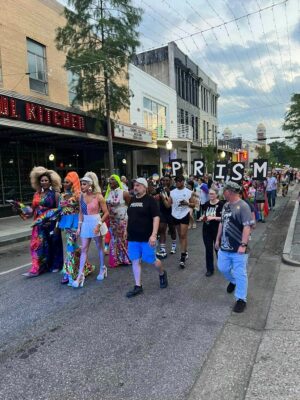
column 15, row 269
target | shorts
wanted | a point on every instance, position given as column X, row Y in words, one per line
column 166, row 219
column 141, row 250
column 184, row 221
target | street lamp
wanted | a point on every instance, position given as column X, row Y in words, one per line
column 51, row 157
column 223, row 154
column 169, row 146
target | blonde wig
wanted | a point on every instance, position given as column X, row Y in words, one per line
column 38, row 172
column 94, row 178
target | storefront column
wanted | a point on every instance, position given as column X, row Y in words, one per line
column 188, row 157
column 134, row 164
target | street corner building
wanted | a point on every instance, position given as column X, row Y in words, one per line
column 38, row 124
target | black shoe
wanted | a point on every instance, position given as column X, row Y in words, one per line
column 183, row 257
column 209, row 273
column 135, row 291
column 230, row 287
column 163, row 280
column 239, row 306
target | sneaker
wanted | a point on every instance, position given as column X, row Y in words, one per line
column 163, row 280
column 239, row 306
column 135, row 291
column 173, row 249
column 161, row 254
column 230, row 287
column 182, row 260
column 209, row 273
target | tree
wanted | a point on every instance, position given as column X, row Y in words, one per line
column 283, row 154
column 292, row 117
column 100, row 39
column 209, row 155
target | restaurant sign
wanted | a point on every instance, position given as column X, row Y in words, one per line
column 132, row 133
column 21, row 110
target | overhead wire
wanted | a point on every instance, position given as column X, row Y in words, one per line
column 289, row 48
column 234, row 52
column 277, row 87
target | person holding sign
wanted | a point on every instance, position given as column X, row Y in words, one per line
column 181, row 201
column 211, row 218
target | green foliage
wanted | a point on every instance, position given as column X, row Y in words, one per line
column 209, row 155
column 285, row 155
column 292, row 117
column 263, row 153
column 99, row 40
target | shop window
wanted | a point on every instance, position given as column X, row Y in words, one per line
column 37, row 67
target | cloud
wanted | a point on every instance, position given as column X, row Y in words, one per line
column 296, row 33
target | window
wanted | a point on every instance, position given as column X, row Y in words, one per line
column 1, row 74
column 155, row 117
column 36, row 54
column 196, row 134
column 73, row 79
column 182, row 116
column 186, row 118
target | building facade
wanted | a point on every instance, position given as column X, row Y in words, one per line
column 36, row 117
column 154, row 107
column 197, row 96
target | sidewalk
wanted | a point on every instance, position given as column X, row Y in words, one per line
column 257, row 355
column 14, row 229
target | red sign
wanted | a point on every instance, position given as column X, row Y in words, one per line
column 37, row 113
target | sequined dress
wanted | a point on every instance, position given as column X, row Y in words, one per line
column 69, row 213
column 46, row 244
column 117, row 208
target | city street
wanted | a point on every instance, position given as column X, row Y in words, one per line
column 93, row 343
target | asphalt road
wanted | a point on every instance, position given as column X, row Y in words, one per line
column 93, row 343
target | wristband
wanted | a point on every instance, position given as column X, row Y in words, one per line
column 79, row 222
column 243, row 244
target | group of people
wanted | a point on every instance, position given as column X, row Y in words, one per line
column 136, row 223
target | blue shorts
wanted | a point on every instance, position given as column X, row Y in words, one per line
column 141, row 250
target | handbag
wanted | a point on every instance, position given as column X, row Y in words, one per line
column 103, row 229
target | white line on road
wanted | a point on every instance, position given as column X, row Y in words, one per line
column 15, row 269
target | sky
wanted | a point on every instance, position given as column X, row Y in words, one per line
column 251, row 49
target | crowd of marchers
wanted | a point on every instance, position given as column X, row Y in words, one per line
column 130, row 223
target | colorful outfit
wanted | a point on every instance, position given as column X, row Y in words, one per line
column 69, row 211
column 46, row 244
column 261, row 205
column 91, row 218
column 117, row 209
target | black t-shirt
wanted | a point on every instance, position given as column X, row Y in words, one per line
column 140, row 218
column 212, row 210
column 162, row 208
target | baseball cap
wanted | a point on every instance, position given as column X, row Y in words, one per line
column 232, row 186
column 142, row 181
column 86, row 179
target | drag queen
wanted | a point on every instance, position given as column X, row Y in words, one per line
column 91, row 224
column 46, row 244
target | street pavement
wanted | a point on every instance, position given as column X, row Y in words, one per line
column 182, row 342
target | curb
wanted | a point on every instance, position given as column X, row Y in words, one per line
column 289, row 240
column 17, row 238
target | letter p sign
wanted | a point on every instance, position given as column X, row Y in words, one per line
column 176, row 167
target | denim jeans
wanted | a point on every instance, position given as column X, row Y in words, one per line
column 234, row 268
column 271, row 194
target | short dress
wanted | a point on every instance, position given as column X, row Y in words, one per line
column 91, row 218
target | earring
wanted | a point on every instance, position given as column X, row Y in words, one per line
column 50, row 187
column 90, row 189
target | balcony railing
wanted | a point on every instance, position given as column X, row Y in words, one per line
column 185, row 132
